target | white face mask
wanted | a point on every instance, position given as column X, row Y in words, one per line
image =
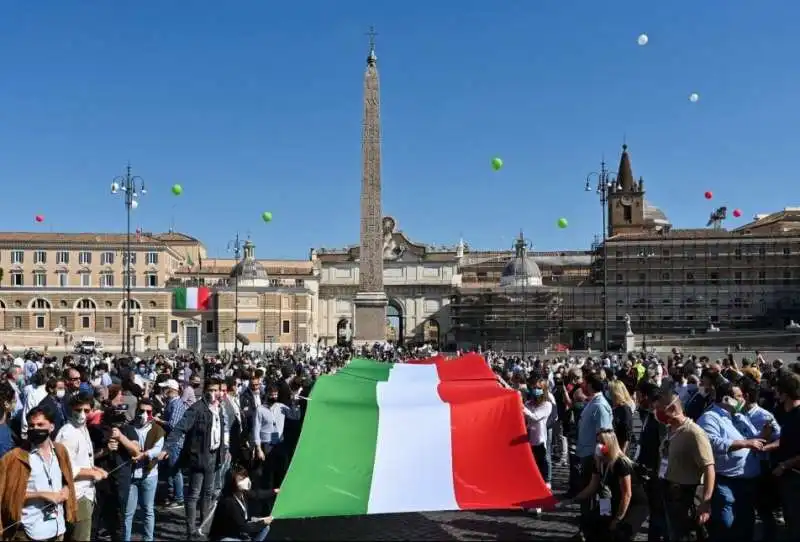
column 80, row 418
column 60, row 393
column 245, row 484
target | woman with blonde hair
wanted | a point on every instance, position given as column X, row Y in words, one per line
column 619, row 517
column 622, row 408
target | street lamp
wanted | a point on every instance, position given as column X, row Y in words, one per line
column 235, row 246
column 606, row 184
column 646, row 254
column 131, row 187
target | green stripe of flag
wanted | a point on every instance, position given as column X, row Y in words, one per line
column 180, row 298
column 336, row 452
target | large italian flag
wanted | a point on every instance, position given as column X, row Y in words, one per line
column 387, row 438
column 188, row 299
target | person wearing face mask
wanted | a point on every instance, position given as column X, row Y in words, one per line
column 36, row 484
column 74, row 436
column 686, row 461
column 620, row 516
column 198, row 442
column 735, row 446
column 786, row 457
column 537, row 411
column 268, row 437
column 232, row 521
column 142, row 493
column 55, row 402
column 173, row 413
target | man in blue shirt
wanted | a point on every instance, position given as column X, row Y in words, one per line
column 733, row 504
column 595, row 417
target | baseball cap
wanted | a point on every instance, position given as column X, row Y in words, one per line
column 171, row 384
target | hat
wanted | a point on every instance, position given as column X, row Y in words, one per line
column 171, row 384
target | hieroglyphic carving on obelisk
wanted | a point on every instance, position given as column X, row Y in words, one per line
column 371, row 301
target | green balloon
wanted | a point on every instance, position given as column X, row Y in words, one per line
column 266, row 216
column 562, row 223
column 177, row 189
column 497, row 163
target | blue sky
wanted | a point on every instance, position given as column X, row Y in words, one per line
column 255, row 105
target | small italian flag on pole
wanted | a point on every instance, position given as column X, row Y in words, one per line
column 191, row 299
column 381, row 438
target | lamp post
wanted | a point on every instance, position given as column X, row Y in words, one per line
column 131, row 187
column 606, row 184
column 235, row 246
column 646, row 254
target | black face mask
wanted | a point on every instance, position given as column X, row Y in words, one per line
column 37, row 436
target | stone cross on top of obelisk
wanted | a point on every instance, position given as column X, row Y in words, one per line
column 371, row 300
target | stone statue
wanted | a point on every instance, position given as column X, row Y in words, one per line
column 391, row 249
column 628, row 330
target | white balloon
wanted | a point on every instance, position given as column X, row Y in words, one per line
column 643, row 39
column 693, row 97
column 134, row 204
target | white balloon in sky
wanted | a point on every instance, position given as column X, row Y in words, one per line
column 643, row 39
column 693, row 97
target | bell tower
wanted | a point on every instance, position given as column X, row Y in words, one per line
column 626, row 200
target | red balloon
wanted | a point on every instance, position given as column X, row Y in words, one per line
column 737, row 213
column 709, row 195
column 39, row 218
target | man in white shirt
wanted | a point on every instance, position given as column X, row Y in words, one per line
column 75, row 438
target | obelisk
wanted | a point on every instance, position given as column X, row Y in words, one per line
column 371, row 300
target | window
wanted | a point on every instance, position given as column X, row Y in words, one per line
column 85, row 322
column 737, row 277
column 153, row 322
column 18, row 322
column 17, row 256
column 125, row 258
column 41, row 304
column 17, row 278
column 86, row 279
column 173, row 326
column 62, row 322
column 39, row 256
column 618, row 254
column 132, row 279
column 300, row 283
column 714, row 278
column 40, row 279
column 665, row 254
column 286, row 326
column 62, row 257
column 665, row 277
column 247, row 327
column 63, row 279
column 762, row 252
column 619, row 278
column 152, row 258
column 737, row 253
column 106, row 280
column 690, row 278
column 40, row 321
column 85, row 304
column 209, row 326
column 786, row 252
column 762, row 277
column 108, row 322
column 151, row 280
column 85, row 257
column 107, row 258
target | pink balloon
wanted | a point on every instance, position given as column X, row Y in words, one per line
column 737, row 213
column 708, row 195
column 39, row 218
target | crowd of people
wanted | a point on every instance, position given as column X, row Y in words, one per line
column 87, row 443
column 719, row 444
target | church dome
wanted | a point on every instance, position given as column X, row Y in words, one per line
column 249, row 270
column 655, row 215
column 521, row 270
